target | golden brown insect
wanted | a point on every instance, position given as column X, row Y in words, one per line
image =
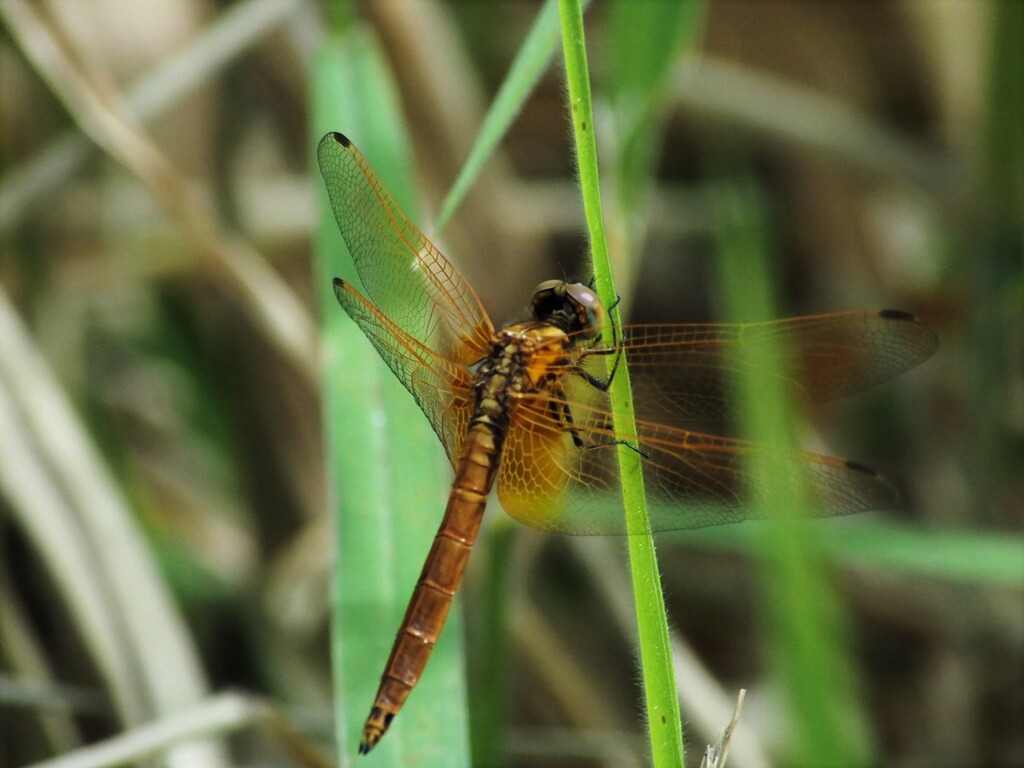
column 528, row 405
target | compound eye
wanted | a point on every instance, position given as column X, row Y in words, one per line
column 546, row 291
column 573, row 307
column 588, row 308
column 548, row 297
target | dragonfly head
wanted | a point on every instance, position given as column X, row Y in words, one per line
column 573, row 307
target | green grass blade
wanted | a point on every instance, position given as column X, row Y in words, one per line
column 663, row 720
column 385, row 465
column 644, row 42
column 993, row 264
column 489, row 667
column 807, row 655
column 958, row 556
column 531, row 61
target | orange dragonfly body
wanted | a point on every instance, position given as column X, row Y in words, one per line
column 527, row 406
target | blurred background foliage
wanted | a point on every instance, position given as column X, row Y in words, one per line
column 164, row 523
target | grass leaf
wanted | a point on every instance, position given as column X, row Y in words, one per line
column 384, row 463
column 807, row 655
column 532, row 59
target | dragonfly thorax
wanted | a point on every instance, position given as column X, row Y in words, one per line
column 573, row 307
column 524, row 358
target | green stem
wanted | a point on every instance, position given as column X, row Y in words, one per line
column 663, row 720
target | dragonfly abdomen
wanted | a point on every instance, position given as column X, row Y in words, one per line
column 512, row 368
column 442, row 572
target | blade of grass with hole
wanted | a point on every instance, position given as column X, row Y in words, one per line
column 386, row 470
column 662, row 705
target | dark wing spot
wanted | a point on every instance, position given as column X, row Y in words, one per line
column 341, row 138
column 856, row 466
column 897, row 314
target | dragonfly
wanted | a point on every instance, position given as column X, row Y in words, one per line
column 526, row 407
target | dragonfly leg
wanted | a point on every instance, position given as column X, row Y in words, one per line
column 592, row 285
column 634, row 448
column 561, row 411
column 615, row 349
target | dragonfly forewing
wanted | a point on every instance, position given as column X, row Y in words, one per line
column 686, row 374
column 403, row 273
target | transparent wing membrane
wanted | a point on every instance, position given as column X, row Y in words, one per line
column 687, row 373
column 692, row 479
column 404, row 275
column 441, row 387
column 428, row 325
